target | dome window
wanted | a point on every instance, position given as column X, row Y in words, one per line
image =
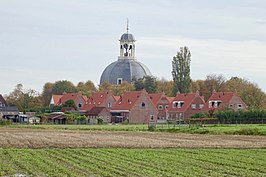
column 119, row 81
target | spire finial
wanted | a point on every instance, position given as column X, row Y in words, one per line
column 127, row 25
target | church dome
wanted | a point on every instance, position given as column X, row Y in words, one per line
column 127, row 37
column 124, row 70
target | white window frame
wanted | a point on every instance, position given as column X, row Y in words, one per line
column 160, row 107
column 119, row 81
column 193, row 106
column 151, row 117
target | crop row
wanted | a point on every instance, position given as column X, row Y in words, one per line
column 133, row 162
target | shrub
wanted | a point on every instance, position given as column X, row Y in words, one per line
column 248, row 131
column 5, row 122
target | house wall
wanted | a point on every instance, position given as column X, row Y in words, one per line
column 109, row 99
column 79, row 100
column 234, row 102
column 162, row 114
column 190, row 111
column 184, row 114
column 139, row 114
column 105, row 115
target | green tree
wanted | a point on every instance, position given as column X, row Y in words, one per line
column 138, row 84
column 47, row 93
column 64, row 86
column 250, row 93
column 165, row 86
column 119, row 89
column 181, row 71
column 69, row 104
column 86, row 88
column 148, row 83
column 105, row 87
column 214, row 82
column 24, row 99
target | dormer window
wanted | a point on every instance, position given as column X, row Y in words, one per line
column 214, row 104
column 178, row 104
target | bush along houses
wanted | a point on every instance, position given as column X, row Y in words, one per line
column 224, row 100
column 185, row 105
column 134, row 107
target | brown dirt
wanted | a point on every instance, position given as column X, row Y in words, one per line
column 51, row 138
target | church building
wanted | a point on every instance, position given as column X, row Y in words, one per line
column 126, row 68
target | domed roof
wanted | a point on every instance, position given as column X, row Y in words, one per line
column 125, row 69
column 127, row 37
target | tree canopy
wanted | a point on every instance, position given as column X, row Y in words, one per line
column 64, row 86
column 181, row 71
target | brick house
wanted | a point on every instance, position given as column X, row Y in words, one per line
column 98, row 113
column 224, row 100
column 78, row 99
column 99, row 99
column 162, row 103
column 134, row 107
column 185, row 105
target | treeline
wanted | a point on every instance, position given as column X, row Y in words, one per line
column 30, row 100
column 230, row 116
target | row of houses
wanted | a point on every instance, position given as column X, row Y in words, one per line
column 141, row 107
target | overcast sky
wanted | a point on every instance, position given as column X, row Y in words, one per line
column 48, row 40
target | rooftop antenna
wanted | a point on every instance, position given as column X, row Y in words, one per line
column 127, row 25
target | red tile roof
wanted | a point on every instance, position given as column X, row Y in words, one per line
column 225, row 97
column 170, row 99
column 61, row 99
column 69, row 96
column 57, row 99
column 116, row 98
column 156, row 97
column 95, row 100
column 95, row 111
column 127, row 100
column 186, row 98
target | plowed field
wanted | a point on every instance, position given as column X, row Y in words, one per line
column 52, row 138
